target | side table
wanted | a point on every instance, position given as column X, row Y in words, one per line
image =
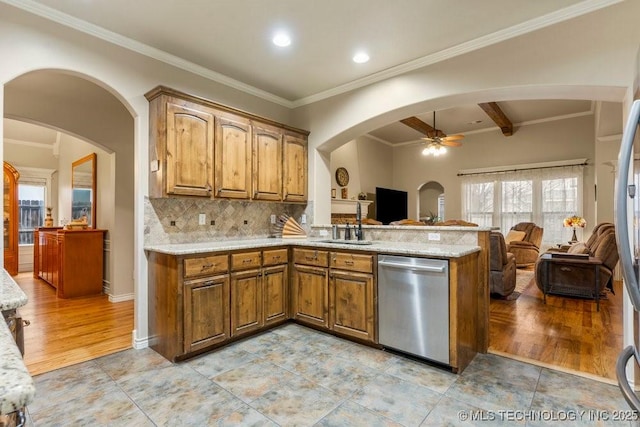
column 572, row 289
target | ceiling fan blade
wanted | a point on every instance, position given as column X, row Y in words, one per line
column 453, row 137
column 451, row 143
column 417, row 124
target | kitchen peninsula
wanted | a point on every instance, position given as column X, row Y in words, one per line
column 17, row 389
column 207, row 294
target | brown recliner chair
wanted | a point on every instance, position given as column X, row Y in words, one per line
column 502, row 266
column 578, row 279
column 527, row 250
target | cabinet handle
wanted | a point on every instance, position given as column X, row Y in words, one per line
column 208, row 266
column 275, row 257
column 245, row 261
column 348, row 262
column 311, row 258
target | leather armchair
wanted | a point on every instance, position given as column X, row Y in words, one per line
column 502, row 266
column 527, row 250
column 578, row 278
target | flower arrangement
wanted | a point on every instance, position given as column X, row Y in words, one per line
column 575, row 222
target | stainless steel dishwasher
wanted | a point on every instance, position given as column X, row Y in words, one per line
column 413, row 306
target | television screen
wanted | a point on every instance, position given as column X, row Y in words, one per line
column 391, row 205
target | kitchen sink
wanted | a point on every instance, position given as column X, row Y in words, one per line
column 347, row 242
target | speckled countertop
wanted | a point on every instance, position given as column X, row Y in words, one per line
column 399, row 248
column 16, row 385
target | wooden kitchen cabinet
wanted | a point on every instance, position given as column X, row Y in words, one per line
column 267, row 163
column 310, row 287
column 295, row 168
column 181, row 148
column 352, row 296
column 197, row 146
column 206, row 312
column 232, row 157
column 275, row 279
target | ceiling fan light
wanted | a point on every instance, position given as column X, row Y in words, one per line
column 425, row 151
column 442, row 149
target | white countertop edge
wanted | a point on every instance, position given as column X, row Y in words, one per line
column 402, row 248
column 11, row 296
column 17, row 388
column 410, row 227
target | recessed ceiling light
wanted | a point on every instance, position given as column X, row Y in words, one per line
column 281, row 39
column 360, row 58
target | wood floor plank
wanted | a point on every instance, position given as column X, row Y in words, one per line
column 64, row 332
column 567, row 333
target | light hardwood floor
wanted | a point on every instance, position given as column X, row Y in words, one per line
column 567, row 333
column 64, row 332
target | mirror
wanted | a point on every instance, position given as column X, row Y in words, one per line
column 83, row 189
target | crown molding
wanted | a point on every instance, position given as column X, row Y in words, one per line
column 555, row 17
column 28, row 143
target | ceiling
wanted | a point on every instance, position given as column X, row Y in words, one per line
column 230, row 41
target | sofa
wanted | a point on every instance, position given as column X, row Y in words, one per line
column 577, row 277
column 502, row 266
column 523, row 241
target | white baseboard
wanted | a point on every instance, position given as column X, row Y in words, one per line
column 120, row 298
column 139, row 343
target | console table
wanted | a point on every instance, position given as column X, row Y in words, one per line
column 69, row 260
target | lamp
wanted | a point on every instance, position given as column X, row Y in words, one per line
column 574, row 222
column 434, row 149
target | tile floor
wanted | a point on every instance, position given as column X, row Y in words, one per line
column 295, row 376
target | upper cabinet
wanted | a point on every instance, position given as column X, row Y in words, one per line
column 295, row 168
column 200, row 148
column 233, row 157
column 267, row 163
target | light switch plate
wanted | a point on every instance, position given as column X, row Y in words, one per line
column 303, row 219
column 272, row 218
column 202, row 219
column 434, row 236
column 155, row 165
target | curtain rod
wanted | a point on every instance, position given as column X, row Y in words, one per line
column 520, row 169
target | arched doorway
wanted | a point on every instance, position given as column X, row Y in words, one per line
column 91, row 112
column 431, row 202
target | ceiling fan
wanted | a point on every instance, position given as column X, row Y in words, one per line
column 436, row 141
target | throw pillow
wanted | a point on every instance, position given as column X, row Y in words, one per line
column 578, row 248
column 514, row 236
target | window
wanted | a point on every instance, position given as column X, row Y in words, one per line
column 544, row 196
column 31, row 200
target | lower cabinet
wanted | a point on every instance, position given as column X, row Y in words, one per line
column 276, row 296
column 310, row 287
column 352, row 295
column 246, row 302
column 206, row 312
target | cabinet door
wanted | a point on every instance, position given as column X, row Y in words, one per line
column 233, row 157
column 246, row 302
column 310, row 295
column 267, row 164
column 206, row 312
column 276, row 297
column 352, row 305
column 295, row 169
column 189, row 150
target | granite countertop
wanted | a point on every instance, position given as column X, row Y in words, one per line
column 400, row 248
column 16, row 385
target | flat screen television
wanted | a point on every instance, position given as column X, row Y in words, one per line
column 391, row 205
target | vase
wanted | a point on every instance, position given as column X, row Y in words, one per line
column 48, row 221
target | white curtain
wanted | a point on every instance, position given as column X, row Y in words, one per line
column 544, row 196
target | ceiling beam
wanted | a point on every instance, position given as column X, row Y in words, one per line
column 422, row 127
column 495, row 113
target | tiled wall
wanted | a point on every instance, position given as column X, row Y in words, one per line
column 233, row 219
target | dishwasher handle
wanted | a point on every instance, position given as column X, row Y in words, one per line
column 434, row 269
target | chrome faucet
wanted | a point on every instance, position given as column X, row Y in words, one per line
column 359, row 232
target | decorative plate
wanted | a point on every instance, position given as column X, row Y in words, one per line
column 342, row 177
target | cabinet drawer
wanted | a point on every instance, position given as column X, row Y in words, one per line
column 311, row 257
column 352, row 262
column 274, row 257
column 244, row 260
column 204, row 266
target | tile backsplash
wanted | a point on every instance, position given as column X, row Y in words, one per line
column 175, row 220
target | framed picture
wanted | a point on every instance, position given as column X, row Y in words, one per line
column 333, row 193
column 345, row 193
